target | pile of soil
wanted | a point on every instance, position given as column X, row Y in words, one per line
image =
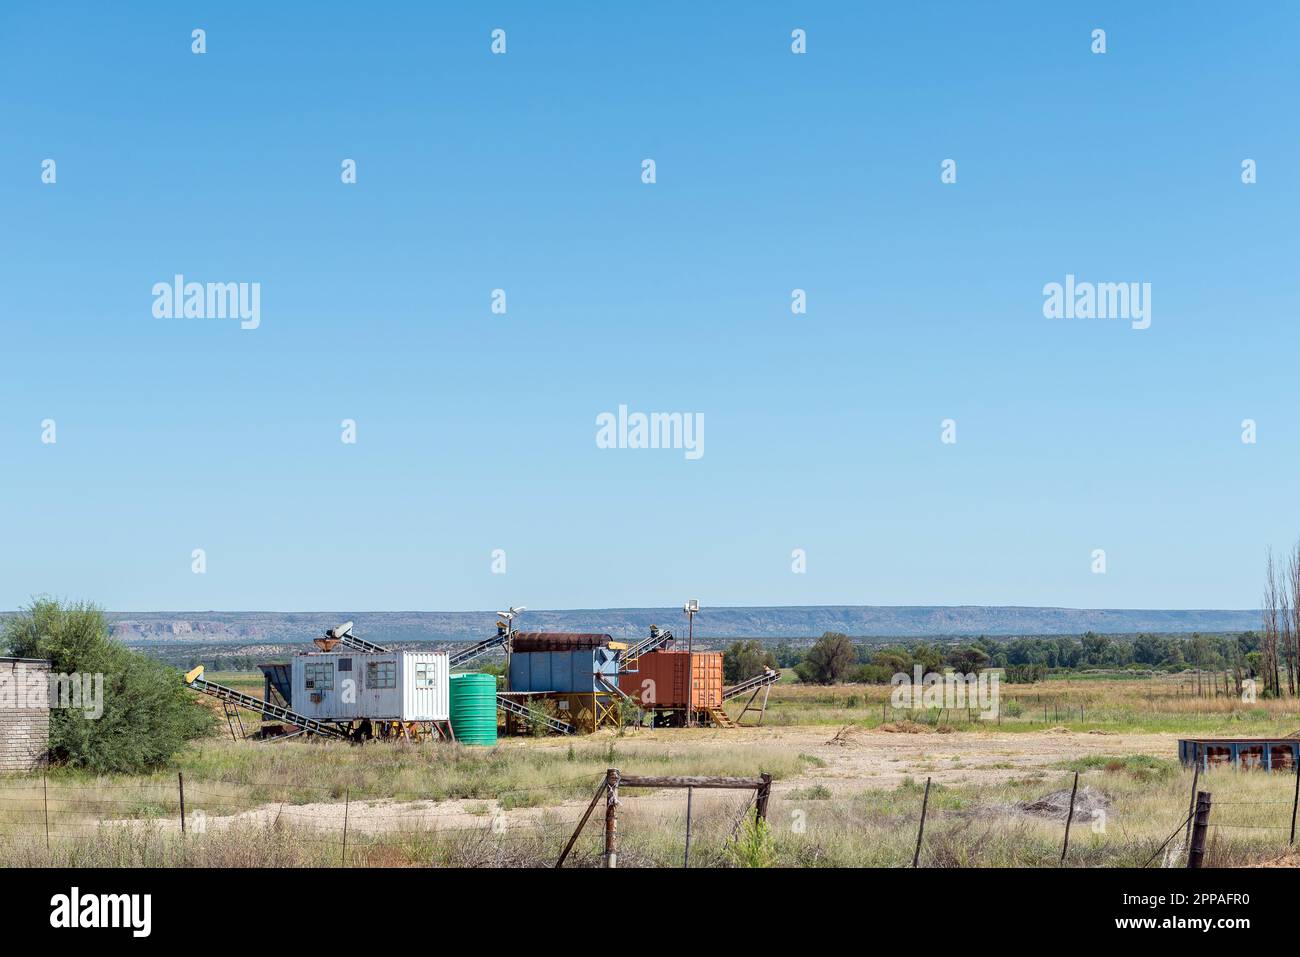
column 906, row 726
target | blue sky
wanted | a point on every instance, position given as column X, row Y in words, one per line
column 775, row 171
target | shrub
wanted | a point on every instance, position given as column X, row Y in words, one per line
column 148, row 715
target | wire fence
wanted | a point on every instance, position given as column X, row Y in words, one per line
column 46, row 813
column 213, row 819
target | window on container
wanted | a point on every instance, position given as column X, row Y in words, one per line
column 345, row 664
column 381, row 674
column 1251, row 757
column 1217, row 754
column 319, row 676
column 426, row 675
column 1283, row 757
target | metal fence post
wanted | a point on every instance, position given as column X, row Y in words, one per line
column 686, row 859
column 925, row 803
column 1065, row 848
column 1191, row 800
column 347, row 803
column 45, row 791
column 1295, row 802
column 180, row 781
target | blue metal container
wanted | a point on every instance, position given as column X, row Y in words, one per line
column 574, row 672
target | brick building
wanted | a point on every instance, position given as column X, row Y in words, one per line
column 24, row 713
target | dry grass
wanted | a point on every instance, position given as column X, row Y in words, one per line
column 1158, row 704
column 282, row 803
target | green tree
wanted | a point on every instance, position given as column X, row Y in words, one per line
column 147, row 714
column 827, row 661
column 968, row 660
column 745, row 659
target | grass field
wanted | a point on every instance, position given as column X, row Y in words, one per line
column 848, row 775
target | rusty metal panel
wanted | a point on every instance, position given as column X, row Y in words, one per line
column 663, row 679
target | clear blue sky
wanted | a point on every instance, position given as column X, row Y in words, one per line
column 522, row 172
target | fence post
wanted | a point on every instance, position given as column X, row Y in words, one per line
column 611, row 819
column 1295, row 802
column 686, row 860
column 180, row 781
column 583, row 823
column 1196, row 855
column 1191, row 800
column 760, row 801
column 45, row 791
column 1065, row 848
column 347, row 804
column 925, row 803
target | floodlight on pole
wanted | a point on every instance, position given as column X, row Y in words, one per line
column 691, row 608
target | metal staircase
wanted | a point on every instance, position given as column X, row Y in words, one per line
column 229, row 696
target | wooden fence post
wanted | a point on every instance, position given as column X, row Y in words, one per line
column 1196, row 855
column 604, row 786
column 1069, row 818
column 764, row 792
column 611, row 820
column 925, row 803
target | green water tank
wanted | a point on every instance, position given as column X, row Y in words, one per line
column 474, row 708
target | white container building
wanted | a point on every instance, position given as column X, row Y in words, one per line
column 388, row 686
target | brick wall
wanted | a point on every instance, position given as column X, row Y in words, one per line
column 24, row 717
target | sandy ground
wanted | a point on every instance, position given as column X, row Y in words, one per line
column 856, row 759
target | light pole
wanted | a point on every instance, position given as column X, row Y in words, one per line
column 691, row 608
column 509, row 619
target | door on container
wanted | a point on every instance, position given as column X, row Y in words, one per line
column 380, row 697
column 427, row 692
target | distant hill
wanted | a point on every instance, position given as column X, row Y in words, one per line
column 904, row 621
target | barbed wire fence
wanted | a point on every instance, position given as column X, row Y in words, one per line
column 344, row 826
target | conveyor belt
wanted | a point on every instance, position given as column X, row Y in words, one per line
column 769, row 677
column 515, row 708
column 656, row 641
column 455, row 658
column 196, row 681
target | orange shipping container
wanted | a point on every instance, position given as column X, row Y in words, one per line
column 660, row 679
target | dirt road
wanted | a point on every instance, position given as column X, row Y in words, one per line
column 846, row 761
